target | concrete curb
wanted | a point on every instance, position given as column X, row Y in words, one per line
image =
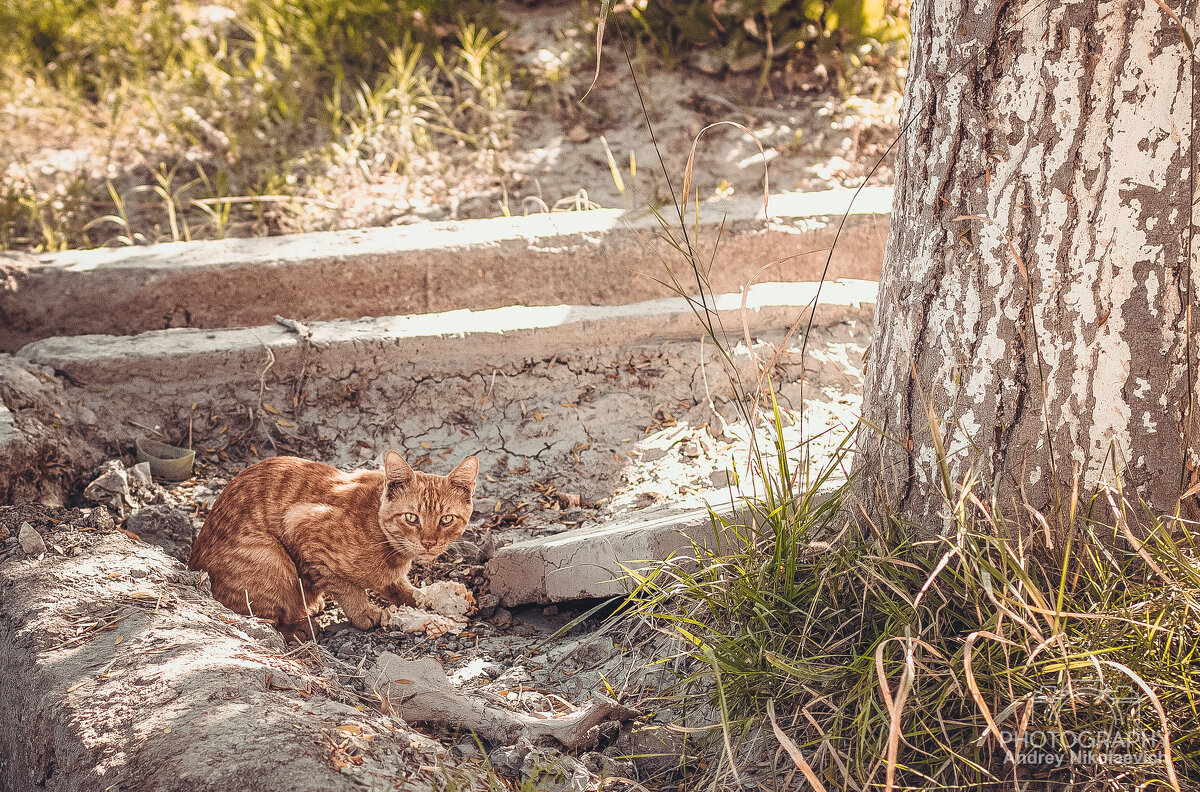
column 596, row 257
column 432, row 345
column 593, row 562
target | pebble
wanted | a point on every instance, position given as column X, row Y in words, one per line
column 31, row 541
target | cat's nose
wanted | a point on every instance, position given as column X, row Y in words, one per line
column 428, row 544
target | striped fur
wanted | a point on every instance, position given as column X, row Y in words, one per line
column 287, row 531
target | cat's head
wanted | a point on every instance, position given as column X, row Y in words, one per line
column 421, row 514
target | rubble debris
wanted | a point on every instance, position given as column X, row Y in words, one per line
column 111, row 488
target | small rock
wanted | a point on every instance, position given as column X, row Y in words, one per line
column 689, row 450
column 111, row 487
column 488, row 604
column 85, row 416
column 550, row 610
column 471, row 553
column 707, row 62
column 31, row 541
column 507, row 759
column 653, row 749
column 101, row 520
column 18, row 388
column 599, row 764
column 578, row 134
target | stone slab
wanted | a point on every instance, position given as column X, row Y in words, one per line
column 598, row 257
column 593, row 562
column 436, row 345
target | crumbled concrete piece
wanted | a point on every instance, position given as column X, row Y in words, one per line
column 413, row 620
column 31, row 541
column 488, row 604
column 164, row 526
column 101, row 520
column 446, row 597
column 18, row 388
column 592, row 562
column 139, row 476
column 442, row 608
column 111, row 487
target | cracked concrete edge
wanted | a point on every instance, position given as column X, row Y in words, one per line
column 433, row 345
column 596, row 562
column 593, row 562
column 602, row 256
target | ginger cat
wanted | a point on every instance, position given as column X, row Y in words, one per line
column 285, row 520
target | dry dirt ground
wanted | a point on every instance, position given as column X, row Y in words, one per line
column 113, row 642
column 120, row 672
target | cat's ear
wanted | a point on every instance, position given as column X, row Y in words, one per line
column 464, row 475
column 396, row 470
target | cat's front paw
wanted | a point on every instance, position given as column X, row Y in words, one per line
column 367, row 618
column 447, row 597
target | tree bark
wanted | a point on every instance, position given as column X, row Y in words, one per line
column 1036, row 302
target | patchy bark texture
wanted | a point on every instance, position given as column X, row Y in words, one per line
column 1051, row 331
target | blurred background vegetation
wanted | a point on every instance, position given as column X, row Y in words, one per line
column 135, row 121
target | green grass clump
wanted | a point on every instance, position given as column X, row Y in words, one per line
column 202, row 119
column 914, row 657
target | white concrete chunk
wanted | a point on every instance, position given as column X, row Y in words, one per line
column 593, row 562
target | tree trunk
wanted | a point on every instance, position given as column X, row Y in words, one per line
column 1054, row 330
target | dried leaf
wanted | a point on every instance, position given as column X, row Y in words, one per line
column 270, row 409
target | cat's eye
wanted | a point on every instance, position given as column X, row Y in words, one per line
column 446, row 519
column 412, row 519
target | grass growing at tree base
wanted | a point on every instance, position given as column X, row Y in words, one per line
column 961, row 659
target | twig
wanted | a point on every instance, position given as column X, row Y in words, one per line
column 311, row 632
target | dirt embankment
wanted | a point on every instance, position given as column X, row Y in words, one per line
column 120, row 672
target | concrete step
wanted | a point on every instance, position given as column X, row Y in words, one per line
column 598, row 257
column 432, row 345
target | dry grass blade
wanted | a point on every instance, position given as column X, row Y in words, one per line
column 973, row 686
column 1119, row 516
column 895, row 706
column 601, row 21
column 1168, row 760
column 687, row 171
column 793, row 751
